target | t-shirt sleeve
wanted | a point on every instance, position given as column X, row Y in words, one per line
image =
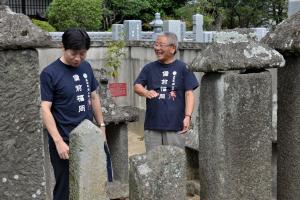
column 142, row 77
column 94, row 83
column 46, row 85
column 190, row 80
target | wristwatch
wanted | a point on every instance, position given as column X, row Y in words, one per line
column 102, row 125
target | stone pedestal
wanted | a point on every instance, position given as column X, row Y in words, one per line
column 22, row 154
column 286, row 41
column 288, row 138
column 234, row 136
column 159, row 174
column 117, row 139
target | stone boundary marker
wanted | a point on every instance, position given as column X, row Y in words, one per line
column 159, row 174
column 88, row 175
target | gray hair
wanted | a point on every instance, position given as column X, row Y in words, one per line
column 172, row 38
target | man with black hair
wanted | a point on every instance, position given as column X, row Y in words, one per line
column 68, row 94
column 168, row 87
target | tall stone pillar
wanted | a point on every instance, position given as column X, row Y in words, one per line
column 236, row 119
column 286, row 40
column 23, row 167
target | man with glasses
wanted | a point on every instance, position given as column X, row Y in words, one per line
column 168, row 87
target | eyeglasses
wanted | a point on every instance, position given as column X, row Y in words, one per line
column 161, row 45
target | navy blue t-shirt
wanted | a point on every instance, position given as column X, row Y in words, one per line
column 69, row 89
column 171, row 81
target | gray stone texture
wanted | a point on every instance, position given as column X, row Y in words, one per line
column 173, row 26
column 236, row 56
column 117, row 31
column 198, row 27
column 235, row 136
column 132, row 29
column 285, row 38
column 117, row 139
column 117, row 190
column 288, row 126
column 293, row 7
column 22, row 154
column 113, row 113
column 88, row 175
column 159, row 174
column 18, row 32
column 3, row 2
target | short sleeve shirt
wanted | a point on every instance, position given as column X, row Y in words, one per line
column 69, row 89
column 171, row 81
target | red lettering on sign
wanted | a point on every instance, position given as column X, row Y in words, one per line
column 117, row 89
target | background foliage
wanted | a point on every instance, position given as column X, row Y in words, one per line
column 63, row 14
column 114, row 54
column 99, row 15
column 218, row 14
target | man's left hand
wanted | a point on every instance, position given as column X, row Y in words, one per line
column 186, row 124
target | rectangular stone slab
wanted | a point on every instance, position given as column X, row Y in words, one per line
column 234, row 136
column 22, row 152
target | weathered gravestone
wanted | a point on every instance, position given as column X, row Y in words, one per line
column 88, row 174
column 159, row 174
column 285, row 38
column 235, row 118
column 23, row 167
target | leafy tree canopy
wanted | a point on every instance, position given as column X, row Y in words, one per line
column 63, row 14
column 115, row 11
column 220, row 14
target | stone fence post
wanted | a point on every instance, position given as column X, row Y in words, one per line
column 24, row 165
column 198, row 27
column 132, row 29
column 88, row 174
column 159, row 174
column 174, row 26
column 285, row 38
column 235, row 119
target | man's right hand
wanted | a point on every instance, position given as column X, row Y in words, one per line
column 62, row 149
column 151, row 94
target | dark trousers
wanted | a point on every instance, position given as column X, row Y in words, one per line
column 61, row 173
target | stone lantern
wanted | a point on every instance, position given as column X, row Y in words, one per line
column 157, row 25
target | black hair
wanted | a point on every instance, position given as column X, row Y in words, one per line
column 76, row 39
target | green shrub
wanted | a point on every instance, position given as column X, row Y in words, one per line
column 115, row 52
column 64, row 14
column 43, row 25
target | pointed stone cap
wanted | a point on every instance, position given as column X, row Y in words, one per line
column 18, row 32
column 286, row 37
column 236, row 56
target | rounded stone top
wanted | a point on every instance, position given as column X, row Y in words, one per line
column 286, row 36
column 236, row 56
column 18, row 32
